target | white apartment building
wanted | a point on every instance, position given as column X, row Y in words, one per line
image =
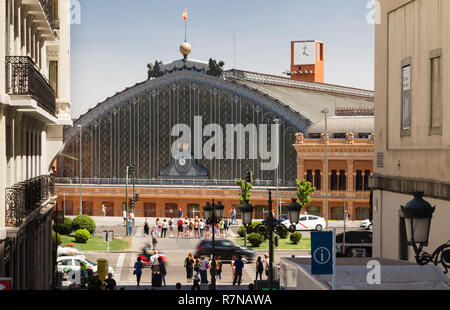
column 34, row 109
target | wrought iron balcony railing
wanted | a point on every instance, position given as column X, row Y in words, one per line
column 23, row 78
column 48, row 10
column 24, row 198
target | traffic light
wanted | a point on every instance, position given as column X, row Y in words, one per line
column 136, row 197
column 132, row 203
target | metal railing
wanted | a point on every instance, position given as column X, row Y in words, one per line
column 168, row 182
column 24, row 198
column 23, row 78
column 48, row 10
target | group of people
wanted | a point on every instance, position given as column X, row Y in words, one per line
column 157, row 265
column 91, row 281
column 197, row 270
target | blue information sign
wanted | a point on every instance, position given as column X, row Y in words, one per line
column 322, row 252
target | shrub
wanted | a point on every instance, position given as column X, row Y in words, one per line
column 55, row 235
column 295, row 237
column 283, row 232
column 84, row 221
column 64, row 228
column 241, row 231
column 82, row 236
column 255, row 239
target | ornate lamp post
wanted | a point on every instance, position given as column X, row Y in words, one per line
column 213, row 214
column 246, row 210
column 294, row 209
column 418, row 214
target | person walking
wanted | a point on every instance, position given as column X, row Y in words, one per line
column 162, row 270
column 146, row 227
column 233, row 268
column 110, row 283
column 201, row 227
column 233, row 216
column 191, row 228
column 138, row 270
column 180, row 227
column 164, row 228
column 266, row 268
column 204, row 266
column 130, row 225
column 154, row 238
column 222, row 228
column 103, row 210
column 219, row 268
column 158, row 227
column 196, row 279
column 196, row 232
column 124, row 214
column 238, row 265
column 226, row 225
column 132, row 216
column 171, row 224
column 259, row 268
column 180, row 213
column 189, row 265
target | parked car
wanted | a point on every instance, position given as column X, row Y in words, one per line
column 358, row 243
column 308, row 222
column 366, row 224
column 68, row 263
column 224, row 248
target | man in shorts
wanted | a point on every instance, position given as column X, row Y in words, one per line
column 180, row 228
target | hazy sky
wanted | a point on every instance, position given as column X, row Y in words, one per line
column 116, row 39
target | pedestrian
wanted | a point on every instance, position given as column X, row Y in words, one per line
column 180, row 213
column 171, row 227
column 154, row 238
column 266, row 269
column 233, row 216
column 103, row 210
column 110, row 283
column 222, row 227
column 138, row 270
column 180, row 227
column 196, row 279
column 196, row 261
column 226, row 224
column 196, row 232
column 204, row 266
column 189, row 265
column 95, row 284
column 146, row 227
column 233, row 268
column 164, row 228
column 191, row 229
column 158, row 227
column 219, row 267
column 132, row 216
column 259, row 268
column 207, row 230
column 124, row 214
column 201, row 226
column 238, row 265
column 154, row 259
column 162, row 270
column 130, row 226
column 186, row 228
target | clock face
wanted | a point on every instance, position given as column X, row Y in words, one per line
column 182, row 164
column 304, row 53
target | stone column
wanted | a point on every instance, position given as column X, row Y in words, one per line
column 300, row 168
column 2, row 165
column 18, row 148
column 351, row 176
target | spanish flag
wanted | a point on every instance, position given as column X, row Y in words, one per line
column 185, row 14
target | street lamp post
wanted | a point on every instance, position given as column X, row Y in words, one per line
column 213, row 214
column 246, row 210
column 81, row 169
column 418, row 214
column 325, row 111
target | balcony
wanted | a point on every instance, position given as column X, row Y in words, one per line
column 24, row 198
column 24, row 79
column 43, row 14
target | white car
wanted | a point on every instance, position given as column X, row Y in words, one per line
column 67, row 251
column 308, row 222
column 68, row 263
column 366, row 224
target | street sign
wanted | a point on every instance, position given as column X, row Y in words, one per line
column 322, row 254
column 108, row 235
column 6, row 284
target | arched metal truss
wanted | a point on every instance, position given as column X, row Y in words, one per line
column 134, row 127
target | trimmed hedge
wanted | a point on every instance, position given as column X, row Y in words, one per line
column 82, row 236
column 84, row 221
column 255, row 239
column 55, row 235
column 295, row 237
column 283, row 233
column 64, row 228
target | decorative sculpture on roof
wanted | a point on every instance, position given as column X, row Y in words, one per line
column 154, row 71
column 350, row 138
column 215, row 69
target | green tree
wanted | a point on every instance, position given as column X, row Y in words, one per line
column 246, row 187
column 304, row 190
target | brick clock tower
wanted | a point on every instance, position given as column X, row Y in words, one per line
column 307, row 61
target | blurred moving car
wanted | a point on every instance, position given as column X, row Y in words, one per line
column 68, row 263
column 224, row 248
column 147, row 254
column 308, row 222
column 67, row 251
column 358, row 243
column 282, row 218
column 366, row 224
